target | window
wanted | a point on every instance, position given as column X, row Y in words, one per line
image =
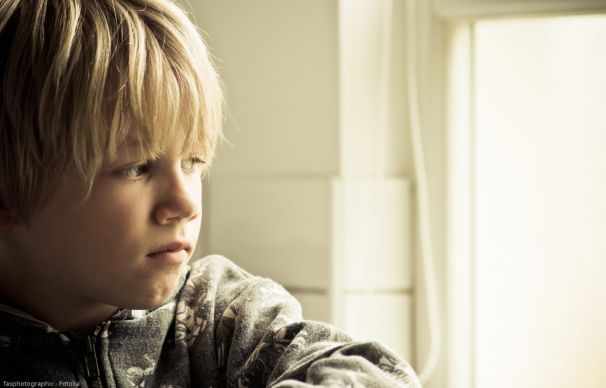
column 528, row 147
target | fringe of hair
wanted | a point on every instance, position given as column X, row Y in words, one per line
column 79, row 76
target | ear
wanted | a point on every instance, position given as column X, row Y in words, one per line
column 7, row 219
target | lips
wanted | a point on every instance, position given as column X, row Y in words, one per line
column 173, row 253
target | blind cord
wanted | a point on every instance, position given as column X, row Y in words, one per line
column 427, row 256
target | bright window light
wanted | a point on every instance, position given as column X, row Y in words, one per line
column 539, row 172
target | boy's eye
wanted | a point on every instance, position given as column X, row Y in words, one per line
column 193, row 164
column 135, row 171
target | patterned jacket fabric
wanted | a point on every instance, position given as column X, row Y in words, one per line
column 224, row 328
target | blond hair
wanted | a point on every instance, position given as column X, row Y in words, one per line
column 78, row 76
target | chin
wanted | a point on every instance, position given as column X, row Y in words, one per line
column 154, row 297
column 151, row 290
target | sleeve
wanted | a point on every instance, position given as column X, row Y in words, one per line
column 260, row 340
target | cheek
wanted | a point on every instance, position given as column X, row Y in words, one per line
column 114, row 224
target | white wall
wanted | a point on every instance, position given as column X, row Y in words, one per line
column 314, row 188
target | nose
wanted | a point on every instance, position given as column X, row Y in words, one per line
column 180, row 199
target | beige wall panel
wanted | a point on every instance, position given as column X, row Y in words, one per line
column 274, row 228
column 374, row 134
column 316, row 306
column 380, row 316
column 377, row 233
column 279, row 63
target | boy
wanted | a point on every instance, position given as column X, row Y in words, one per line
column 110, row 114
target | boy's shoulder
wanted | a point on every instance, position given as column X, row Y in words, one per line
column 215, row 273
column 218, row 280
column 216, row 265
column 217, row 290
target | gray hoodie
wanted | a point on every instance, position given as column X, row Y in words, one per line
column 224, row 328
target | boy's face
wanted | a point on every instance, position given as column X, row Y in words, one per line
column 127, row 243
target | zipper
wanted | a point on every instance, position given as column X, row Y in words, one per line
column 91, row 362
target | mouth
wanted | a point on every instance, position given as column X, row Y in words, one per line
column 171, row 254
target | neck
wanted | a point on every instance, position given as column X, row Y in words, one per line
column 62, row 312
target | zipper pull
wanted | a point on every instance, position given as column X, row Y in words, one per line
column 91, row 362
